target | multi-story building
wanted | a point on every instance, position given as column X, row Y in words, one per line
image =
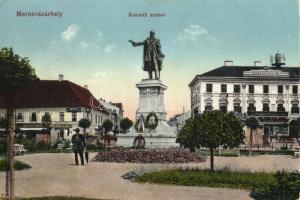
column 271, row 93
column 66, row 102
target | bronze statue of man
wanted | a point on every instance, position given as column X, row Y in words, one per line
column 153, row 56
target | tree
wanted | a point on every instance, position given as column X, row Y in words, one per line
column 84, row 123
column 46, row 121
column 126, row 124
column 212, row 129
column 253, row 124
column 15, row 73
column 286, row 187
column 107, row 125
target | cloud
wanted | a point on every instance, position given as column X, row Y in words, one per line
column 99, row 35
column 109, row 48
column 193, row 34
column 98, row 75
column 71, row 32
column 83, row 45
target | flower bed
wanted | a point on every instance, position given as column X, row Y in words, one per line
column 171, row 155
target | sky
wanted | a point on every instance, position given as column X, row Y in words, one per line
column 89, row 44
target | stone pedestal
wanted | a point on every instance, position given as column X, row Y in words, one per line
column 151, row 98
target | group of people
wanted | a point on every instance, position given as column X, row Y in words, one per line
column 79, row 147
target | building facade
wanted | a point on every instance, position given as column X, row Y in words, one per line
column 271, row 93
column 66, row 102
column 178, row 121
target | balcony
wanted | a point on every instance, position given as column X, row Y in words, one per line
column 268, row 114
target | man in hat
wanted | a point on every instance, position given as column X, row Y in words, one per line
column 78, row 146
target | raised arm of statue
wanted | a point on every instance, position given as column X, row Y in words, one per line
column 136, row 43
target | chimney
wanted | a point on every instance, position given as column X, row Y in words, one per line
column 86, row 87
column 60, row 77
column 228, row 63
column 257, row 63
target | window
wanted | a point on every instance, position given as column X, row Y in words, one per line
column 295, row 109
column 33, row 117
column 74, row 116
column 208, row 87
column 62, row 117
column 280, row 89
column 295, row 89
column 20, row 117
column 266, row 107
column 266, row 89
column 223, row 107
column 237, row 108
column 251, row 107
column 96, row 119
column 208, row 107
column 237, row 89
column 251, row 89
column 223, row 88
column 280, row 108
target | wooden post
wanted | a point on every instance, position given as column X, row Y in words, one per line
column 10, row 156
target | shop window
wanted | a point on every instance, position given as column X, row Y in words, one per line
column 280, row 108
column 295, row 109
column 266, row 107
column 251, row 107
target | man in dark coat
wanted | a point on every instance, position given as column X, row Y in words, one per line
column 78, row 146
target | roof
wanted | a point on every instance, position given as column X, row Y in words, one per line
column 237, row 71
column 119, row 105
column 53, row 93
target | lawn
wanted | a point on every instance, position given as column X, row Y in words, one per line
column 18, row 165
column 197, row 177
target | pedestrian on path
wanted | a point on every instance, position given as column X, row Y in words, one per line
column 78, row 141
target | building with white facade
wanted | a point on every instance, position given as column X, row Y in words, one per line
column 65, row 101
column 271, row 93
column 115, row 112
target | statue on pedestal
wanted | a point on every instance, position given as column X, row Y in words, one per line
column 153, row 56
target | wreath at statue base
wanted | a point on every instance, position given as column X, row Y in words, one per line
column 139, row 142
column 151, row 121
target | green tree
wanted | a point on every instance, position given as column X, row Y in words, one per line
column 46, row 121
column 107, row 125
column 212, row 129
column 253, row 124
column 3, row 122
column 84, row 123
column 126, row 124
column 286, row 187
column 15, row 73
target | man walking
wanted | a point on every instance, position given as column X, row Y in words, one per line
column 78, row 146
